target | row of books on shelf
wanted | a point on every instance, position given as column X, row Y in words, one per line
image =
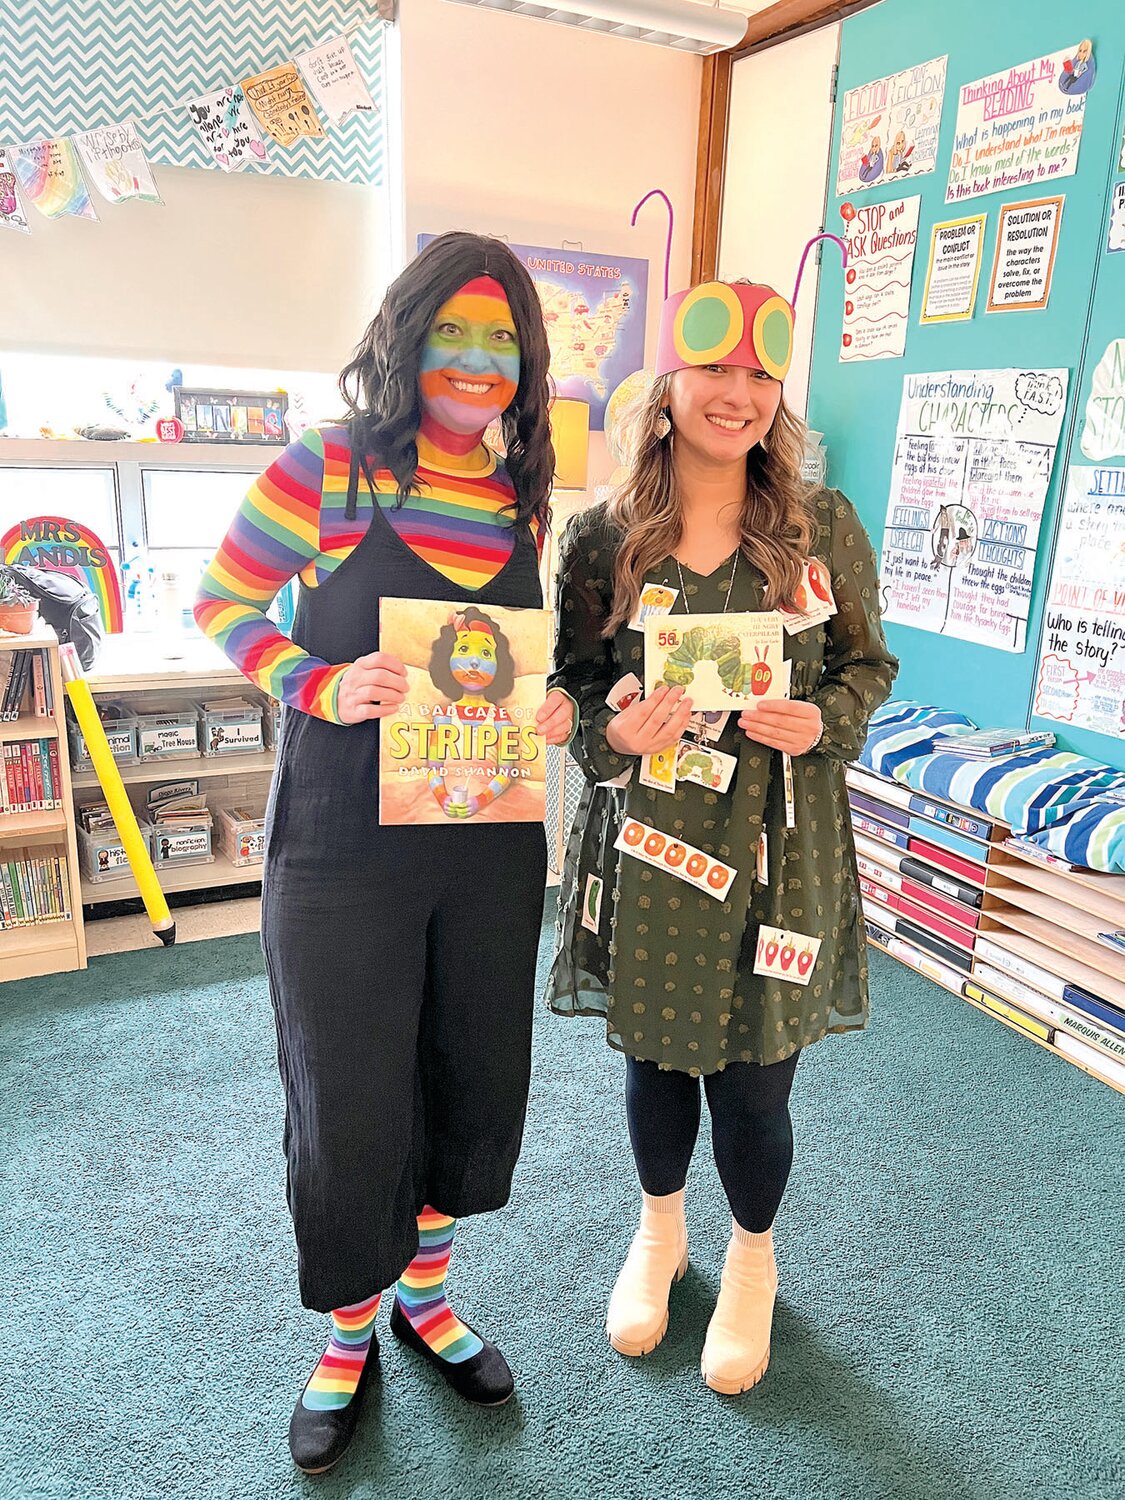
column 30, row 780
column 25, row 684
column 34, row 888
column 922, row 868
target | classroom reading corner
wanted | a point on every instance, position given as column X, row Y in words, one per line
column 562, row 750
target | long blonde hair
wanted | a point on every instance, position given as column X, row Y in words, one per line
column 777, row 524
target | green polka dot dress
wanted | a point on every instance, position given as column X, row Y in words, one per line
column 671, row 969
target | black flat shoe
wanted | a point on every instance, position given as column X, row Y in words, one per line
column 319, row 1439
column 485, row 1379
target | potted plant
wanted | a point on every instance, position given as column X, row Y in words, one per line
column 18, row 608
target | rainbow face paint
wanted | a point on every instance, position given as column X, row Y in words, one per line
column 473, row 660
column 471, row 364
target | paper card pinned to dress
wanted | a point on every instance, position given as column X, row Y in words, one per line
column 592, row 903
column 710, row 768
column 624, row 691
column 721, row 661
column 656, row 599
column 659, row 770
column 708, row 726
column 684, row 861
column 815, row 602
column 762, row 868
column 790, row 956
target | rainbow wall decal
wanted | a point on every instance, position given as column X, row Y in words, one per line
column 67, row 547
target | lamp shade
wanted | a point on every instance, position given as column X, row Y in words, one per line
column 570, row 434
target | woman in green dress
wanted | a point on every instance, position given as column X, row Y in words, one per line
column 713, row 510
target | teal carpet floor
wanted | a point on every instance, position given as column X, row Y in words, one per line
column 949, row 1323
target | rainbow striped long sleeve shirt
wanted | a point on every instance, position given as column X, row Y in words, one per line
column 292, row 523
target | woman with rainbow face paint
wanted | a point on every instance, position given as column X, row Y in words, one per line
column 403, row 1019
column 689, row 977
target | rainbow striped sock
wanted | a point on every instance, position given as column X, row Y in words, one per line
column 333, row 1382
column 421, row 1292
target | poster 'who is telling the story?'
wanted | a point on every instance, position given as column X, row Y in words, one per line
column 1082, row 657
column 972, row 464
column 1022, row 127
column 881, row 239
column 889, row 127
column 463, row 746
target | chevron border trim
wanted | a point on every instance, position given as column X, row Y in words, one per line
column 69, row 65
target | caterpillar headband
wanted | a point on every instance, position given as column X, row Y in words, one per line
column 731, row 323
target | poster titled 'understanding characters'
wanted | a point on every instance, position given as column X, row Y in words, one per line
column 973, row 457
column 1082, row 658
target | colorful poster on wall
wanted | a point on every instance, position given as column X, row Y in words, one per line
column 333, row 76
column 1117, row 218
column 881, row 239
column 229, row 130
column 594, row 309
column 1022, row 127
column 282, row 105
column 1026, row 241
column 463, row 747
column 114, row 161
column 54, row 542
column 1103, row 433
column 889, row 128
column 12, row 215
column 1082, row 657
column 956, row 248
column 973, row 457
column 50, row 177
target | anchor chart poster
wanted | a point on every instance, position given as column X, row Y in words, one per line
column 463, row 747
column 973, row 458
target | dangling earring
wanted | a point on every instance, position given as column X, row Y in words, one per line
column 662, row 426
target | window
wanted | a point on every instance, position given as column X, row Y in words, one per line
column 87, row 497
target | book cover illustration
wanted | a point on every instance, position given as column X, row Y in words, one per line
column 463, row 745
column 721, row 661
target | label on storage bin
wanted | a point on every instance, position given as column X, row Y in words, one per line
column 170, row 740
column 251, row 845
column 113, row 858
column 223, row 738
column 187, row 845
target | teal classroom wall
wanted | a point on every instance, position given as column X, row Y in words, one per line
column 856, row 405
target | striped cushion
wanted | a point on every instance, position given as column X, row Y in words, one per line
column 901, row 732
column 1029, row 792
column 1093, row 836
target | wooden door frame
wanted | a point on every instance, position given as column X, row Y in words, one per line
column 777, row 23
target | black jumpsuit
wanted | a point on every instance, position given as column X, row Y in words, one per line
column 401, row 962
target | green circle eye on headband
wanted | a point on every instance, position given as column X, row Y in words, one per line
column 737, row 323
column 709, row 324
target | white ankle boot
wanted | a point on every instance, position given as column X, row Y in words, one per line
column 637, row 1318
column 737, row 1348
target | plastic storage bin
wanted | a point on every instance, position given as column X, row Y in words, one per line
column 235, row 730
column 242, row 835
column 182, row 844
column 101, row 854
column 271, row 723
column 120, row 725
column 170, row 733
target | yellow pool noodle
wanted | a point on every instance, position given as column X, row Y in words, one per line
column 117, row 799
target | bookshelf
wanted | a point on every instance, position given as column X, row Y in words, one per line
column 947, row 893
column 58, row 945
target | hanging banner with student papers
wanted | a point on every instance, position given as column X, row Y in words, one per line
column 12, row 215
column 114, row 161
column 229, row 130
column 973, row 457
column 1082, row 658
column 282, row 105
column 1020, row 128
column 50, row 177
column 334, row 79
column 889, row 128
column 881, row 241
column 954, row 269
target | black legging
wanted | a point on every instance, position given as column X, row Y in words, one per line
column 751, row 1131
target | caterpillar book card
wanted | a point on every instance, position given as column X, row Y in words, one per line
column 720, row 661
column 463, row 746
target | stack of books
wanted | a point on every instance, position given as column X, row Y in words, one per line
column 25, row 681
column 34, row 888
column 30, row 780
column 987, row 744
